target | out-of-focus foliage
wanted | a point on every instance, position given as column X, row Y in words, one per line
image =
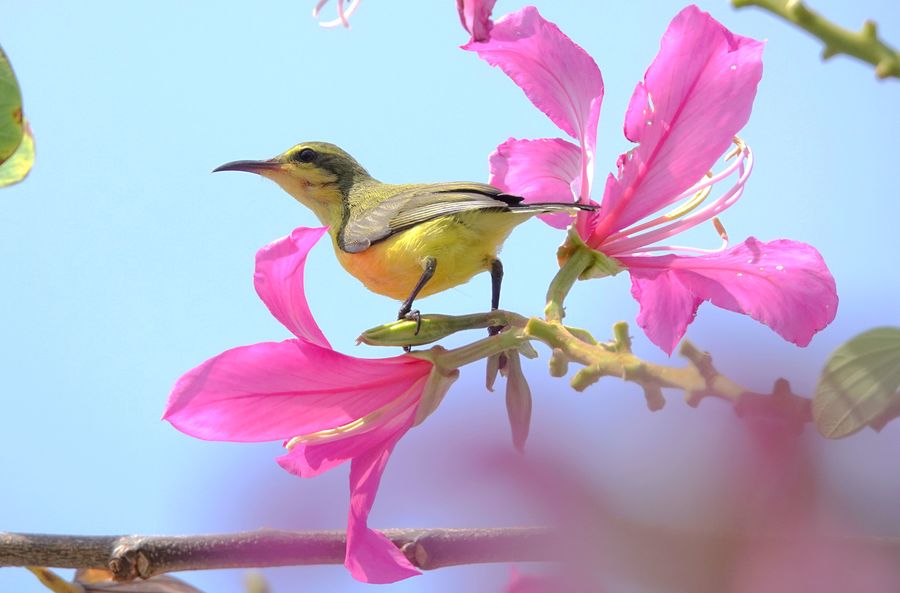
column 16, row 167
column 101, row 581
column 11, row 120
column 16, row 141
column 255, row 582
column 859, row 385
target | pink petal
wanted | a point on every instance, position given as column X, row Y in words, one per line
column 475, row 16
column 371, row 557
column 559, row 77
column 278, row 390
column 635, row 115
column 696, row 95
column 542, row 170
column 315, row 457
column 279, row 282
column 783, row 284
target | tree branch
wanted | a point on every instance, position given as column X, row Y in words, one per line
column 863, row 45
column 639, row 547
column 132, row 556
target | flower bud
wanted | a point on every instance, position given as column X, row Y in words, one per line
column 518, row 401
column 429, row 328
column 403, row 332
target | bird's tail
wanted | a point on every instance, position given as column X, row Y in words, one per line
column 549, row 207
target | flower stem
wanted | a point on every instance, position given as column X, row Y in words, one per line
column 863, row 45
column 458, row 357
column 697, row 380
column 579, row 261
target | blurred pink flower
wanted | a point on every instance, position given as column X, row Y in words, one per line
column 696, row 95
column 328, row 407
column 344, row 14
column 535, row 583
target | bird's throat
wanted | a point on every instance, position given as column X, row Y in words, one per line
column 323, row 197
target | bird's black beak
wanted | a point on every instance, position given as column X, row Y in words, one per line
column 258, row 167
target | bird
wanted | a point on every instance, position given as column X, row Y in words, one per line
column 403, row 241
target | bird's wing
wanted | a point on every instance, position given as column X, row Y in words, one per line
column 410, row 207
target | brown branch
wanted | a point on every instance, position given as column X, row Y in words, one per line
column 653, row 551
column 132, row 556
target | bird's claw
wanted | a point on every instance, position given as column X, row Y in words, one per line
column 495, row 329
column 416, row 316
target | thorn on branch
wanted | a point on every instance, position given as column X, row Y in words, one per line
column 654, row 396
column 559, row 363
column 799, row 11
column 622, row 337
column 870, row 30
column 829, row 52
column 700, row 359
column 587, row 377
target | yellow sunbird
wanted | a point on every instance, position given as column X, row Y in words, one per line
column 402, row 241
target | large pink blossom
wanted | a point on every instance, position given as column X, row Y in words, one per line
column 695, row 97
column 328, row 407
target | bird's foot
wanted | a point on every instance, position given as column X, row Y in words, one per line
column 416, row 316
column 411, row 315
column 495, row 329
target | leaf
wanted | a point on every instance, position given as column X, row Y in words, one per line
column 96, row 580
column 255, row 582
column 53, row 581
column 859, row 385
column 17, row 167
column 11, row 121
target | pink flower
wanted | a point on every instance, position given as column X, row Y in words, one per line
column 344, row 14
column 696, row 95
column 328, row 407
column 475, row 17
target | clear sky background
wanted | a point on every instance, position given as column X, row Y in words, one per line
column 124, row 263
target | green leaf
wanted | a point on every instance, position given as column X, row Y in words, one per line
column 859, row 385
column 16, row 168
column 11, row 121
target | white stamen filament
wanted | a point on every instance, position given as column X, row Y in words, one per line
column 695, row 190
column 626, row 243
column 359, row 425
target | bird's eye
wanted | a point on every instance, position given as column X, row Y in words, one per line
column 307, row 155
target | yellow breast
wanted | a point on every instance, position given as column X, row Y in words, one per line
column 462, row 245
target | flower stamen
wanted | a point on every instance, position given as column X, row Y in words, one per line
column 344, row 14
column 687, row 215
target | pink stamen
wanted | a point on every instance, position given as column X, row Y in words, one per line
column 318, row 8
column 343, row 14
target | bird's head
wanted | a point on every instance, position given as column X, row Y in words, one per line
column 319, row 175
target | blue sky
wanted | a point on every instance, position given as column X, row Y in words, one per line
column 125, row 262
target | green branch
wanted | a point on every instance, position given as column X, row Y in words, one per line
column 698, row 379
column 863, row 45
